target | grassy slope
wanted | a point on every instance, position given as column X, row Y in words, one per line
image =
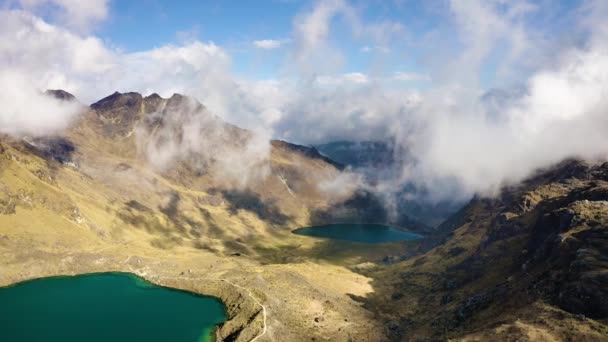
column 111, row 213
column 108, row 211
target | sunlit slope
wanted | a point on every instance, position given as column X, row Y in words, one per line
column 89, row 201
column 104, row 181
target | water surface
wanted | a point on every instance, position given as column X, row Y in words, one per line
column 367, row 233
column 105, row 307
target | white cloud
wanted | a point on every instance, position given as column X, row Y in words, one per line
column 26, row 111
column 382, row 49
column 356, row 77
column 48, row 56
column 352, row 78
column 459, row 144
column 313, row 53
column 35, row 56
column 560, row 114
column 321, row 112
column 268, row 44
column 205, row 142
column 410, row 76
column 312, row 28
column 76, row 14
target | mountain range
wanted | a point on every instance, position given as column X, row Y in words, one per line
column 162, row 188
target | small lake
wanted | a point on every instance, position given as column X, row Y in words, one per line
column 366, row 233
column 105, row 307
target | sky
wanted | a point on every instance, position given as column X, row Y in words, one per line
column 383, row 38
column 259, row 34
column 479, row 92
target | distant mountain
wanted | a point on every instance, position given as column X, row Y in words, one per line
column 359, row 154
column 379, row 161
column 163, row 188
column 60, row 94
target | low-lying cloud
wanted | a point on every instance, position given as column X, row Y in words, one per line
column 26, row 111
column 182, row 130
column 462, row 137
column 559, row 113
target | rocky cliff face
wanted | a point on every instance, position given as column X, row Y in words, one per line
column 530, row 264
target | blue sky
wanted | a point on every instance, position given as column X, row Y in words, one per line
column 427, row 34
column 141, row 25
column 234, row 25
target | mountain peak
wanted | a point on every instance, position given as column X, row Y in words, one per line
column 119, row 112
column 60, row 94
column 154, row 96
column 179, row 102
column 117, row 100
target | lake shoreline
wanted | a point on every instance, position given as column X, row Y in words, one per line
column 243, row 315
column 367, row 233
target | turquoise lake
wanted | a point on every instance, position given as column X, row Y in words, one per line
column 366, row 233
column 105, row 307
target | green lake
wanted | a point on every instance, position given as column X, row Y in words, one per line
column 105, row 307
column 366, row 233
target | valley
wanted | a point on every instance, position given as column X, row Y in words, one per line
column 304, row 170
column 90, row 201
column 86, row 202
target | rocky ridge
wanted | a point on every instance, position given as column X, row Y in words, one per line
column 540, row 250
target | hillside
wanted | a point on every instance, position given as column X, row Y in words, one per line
column 128, row 187
column 132, row 187
column 528, row 265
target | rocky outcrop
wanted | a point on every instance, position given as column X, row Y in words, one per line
column 563, row 224
column 570, row 246
column 53, row 147
column 119, row 113
column 542, row 241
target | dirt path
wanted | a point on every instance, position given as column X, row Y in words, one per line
column 256, row 301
